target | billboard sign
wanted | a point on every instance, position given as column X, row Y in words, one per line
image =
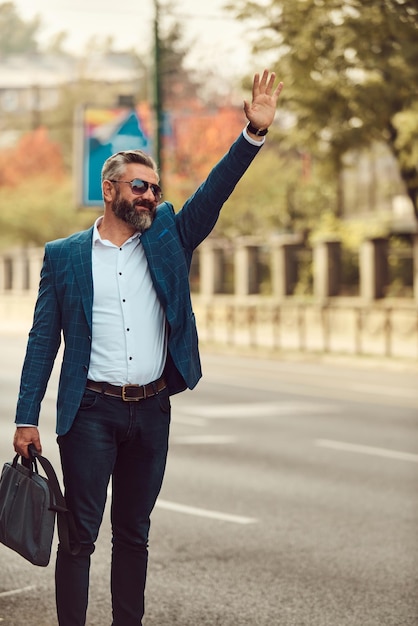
column 100, row 132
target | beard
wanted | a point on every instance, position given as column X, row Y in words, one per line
column 127, row 211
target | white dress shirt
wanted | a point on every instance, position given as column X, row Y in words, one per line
column 129, row 338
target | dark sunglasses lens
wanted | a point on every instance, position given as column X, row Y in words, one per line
column 138, row 186
column 156, row 190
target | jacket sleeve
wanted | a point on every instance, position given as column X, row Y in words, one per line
column 42, row 347
column 200, row 212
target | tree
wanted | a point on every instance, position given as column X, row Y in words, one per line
column 177, row 83
column 39, row 210
column 33, row 155
column 36, row 200
column 200, row 136
column 274, row 198
column 351, row 69
column 16, row 35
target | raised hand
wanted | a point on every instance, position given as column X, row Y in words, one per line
column 260, row 113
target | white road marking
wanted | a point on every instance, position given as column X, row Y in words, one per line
column 192, row 440
column 198, row 512
column 192, row 510
column 382, row 452
column 14, row 592
column 256, row 410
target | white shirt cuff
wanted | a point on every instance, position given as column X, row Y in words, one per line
column 251, row 140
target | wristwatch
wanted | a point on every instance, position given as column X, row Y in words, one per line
column 256, row 131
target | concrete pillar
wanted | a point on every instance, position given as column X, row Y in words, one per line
column 327, row 268
column 284, row 271
column 246, row 268
column 415, row 262
column 373, row 268
column 34, row 259
column 19, row 270
column 3, row 282
column 211, row 261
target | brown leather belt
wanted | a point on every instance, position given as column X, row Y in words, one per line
column 128, row 393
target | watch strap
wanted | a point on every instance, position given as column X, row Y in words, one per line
column 256, row 131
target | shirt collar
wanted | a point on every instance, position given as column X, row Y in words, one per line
column 97, row 238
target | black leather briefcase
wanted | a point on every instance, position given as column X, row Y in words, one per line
column 29, row 504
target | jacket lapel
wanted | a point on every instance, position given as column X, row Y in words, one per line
column 154, row 241
column 167, row 265
column 81, row 260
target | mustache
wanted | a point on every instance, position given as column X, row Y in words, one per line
column 146, row 204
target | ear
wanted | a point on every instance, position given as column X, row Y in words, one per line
column 107, row 189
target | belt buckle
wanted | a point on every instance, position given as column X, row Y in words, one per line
column 126, row 398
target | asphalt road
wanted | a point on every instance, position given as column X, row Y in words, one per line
column 290, row 499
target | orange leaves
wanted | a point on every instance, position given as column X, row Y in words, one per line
column 201, row 137
column 33, row 155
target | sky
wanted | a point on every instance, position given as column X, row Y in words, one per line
column 216, row 41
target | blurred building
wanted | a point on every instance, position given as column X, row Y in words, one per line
column 31, row 85
column 374, row 191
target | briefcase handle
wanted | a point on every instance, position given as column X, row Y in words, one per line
column 67, row 531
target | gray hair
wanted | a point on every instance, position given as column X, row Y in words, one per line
column 114, row 166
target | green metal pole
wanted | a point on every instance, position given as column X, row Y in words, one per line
column 158, row 108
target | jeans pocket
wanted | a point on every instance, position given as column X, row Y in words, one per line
column 163, row 399
column 88, row 400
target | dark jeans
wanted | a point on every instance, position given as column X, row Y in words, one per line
column 127, row 441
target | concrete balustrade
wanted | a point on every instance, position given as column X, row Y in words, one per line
column 20, row 267
column 284, row 271
column 230, row 310
column 211, row 267
column 327, row 269
column 373, row 268
column 415, row 261
column 20, row 270
column 246, row 267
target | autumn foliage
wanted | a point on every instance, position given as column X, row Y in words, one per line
column 33, row 155
column 200, row 137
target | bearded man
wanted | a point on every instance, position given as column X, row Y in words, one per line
column 119, row 295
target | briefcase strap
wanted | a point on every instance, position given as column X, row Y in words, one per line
column 67, row 530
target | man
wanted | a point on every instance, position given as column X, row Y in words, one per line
column 119, row 294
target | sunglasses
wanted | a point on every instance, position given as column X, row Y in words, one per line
column 139, row 187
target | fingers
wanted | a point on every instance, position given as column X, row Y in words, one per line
column 269, row 82
column 24, row 436
column 256, row 85
column 265, row 84
column 278, row 90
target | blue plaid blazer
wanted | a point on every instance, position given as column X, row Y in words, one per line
column 65, row 298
